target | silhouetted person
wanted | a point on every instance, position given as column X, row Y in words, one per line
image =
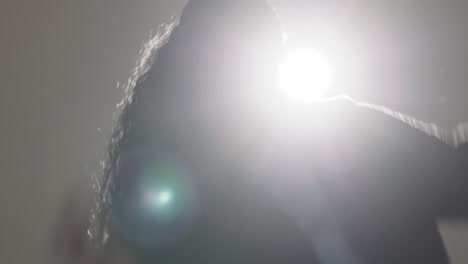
column 181, row 136
column 208, row 164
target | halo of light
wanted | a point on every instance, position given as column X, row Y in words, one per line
column 159, row 203
column 158, row 198
column 305, row 75
column 164, row 197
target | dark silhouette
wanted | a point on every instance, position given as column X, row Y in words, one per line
column 193, row 109
column 385, row 182
column 258, row 179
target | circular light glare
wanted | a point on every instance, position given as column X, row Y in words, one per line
column 161, row 198
column 305, row 75
column 164, row 197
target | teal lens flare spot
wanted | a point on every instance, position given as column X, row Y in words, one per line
column 164, row 197
column 159, row 205
column 158, row 198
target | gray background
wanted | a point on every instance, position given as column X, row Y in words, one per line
column 61, row 60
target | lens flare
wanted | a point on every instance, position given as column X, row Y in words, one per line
column 164, row 197
column 305, row 75
column 158, row 204
column 158, row 198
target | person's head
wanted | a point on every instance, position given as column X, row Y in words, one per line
column 220, row 57
column 220, row 50
column 236, row 39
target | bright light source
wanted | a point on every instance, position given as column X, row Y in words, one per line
column 305, row 75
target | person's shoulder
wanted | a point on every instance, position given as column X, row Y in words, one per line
column 330, row 109
column 370, row 124
column 387, row 120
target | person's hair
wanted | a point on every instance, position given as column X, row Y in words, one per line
column 164, row 74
